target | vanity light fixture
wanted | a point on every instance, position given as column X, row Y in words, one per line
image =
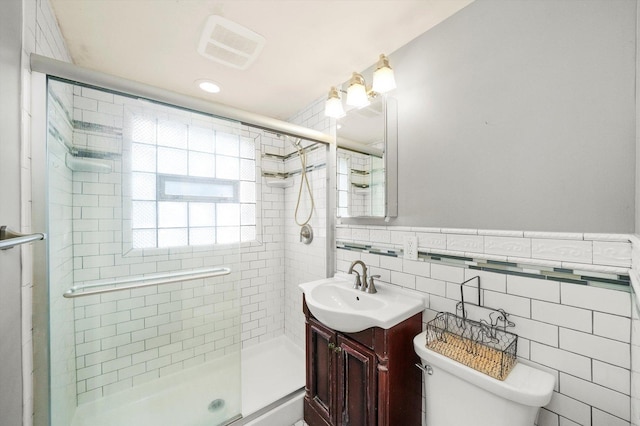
column 208, row 86
column 358, row 95
column 333, row 106
column 357, row 91
column 383, row 79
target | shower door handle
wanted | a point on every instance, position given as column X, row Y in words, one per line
column 144, row 281
column 10, row 239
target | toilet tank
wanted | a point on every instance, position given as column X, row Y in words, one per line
column 457, row 395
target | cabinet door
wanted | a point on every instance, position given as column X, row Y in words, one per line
column 321, row 369
column 357, row 384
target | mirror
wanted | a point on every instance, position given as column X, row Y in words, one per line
column 366, row 161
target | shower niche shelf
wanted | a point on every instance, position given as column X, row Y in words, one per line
column 279, row 183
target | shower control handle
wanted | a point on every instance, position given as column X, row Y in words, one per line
column 306, row 234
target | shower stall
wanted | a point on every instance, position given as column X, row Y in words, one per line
column 171, row 263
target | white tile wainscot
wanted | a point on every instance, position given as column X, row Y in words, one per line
column 579, row 333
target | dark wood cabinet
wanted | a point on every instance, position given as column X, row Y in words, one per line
column 320, row 383
column 367, row 378
column 357, row 383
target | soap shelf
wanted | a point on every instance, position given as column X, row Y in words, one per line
column 483, row 345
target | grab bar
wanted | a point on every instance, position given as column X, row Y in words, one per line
column 10, row 239
column 145, row 281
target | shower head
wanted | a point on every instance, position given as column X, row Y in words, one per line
column 294, row 142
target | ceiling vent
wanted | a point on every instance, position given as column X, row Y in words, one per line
column 229, row 43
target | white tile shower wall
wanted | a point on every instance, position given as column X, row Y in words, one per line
column 263, row 301
column 305, row 262
column 41, row 35
column 579, row 334
column 130, row 337
column 125, row 339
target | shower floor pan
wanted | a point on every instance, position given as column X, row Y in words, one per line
column 206, row 395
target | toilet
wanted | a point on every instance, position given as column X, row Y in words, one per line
column 457, row 395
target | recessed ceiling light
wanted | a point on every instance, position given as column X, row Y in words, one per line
column 208, row 86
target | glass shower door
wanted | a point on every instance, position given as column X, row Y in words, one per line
column 147, row 210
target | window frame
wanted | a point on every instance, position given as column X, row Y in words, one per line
column 161, row 195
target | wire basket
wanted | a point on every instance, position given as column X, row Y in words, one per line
column 478, row 345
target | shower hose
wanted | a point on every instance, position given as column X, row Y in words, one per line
column 303, row 181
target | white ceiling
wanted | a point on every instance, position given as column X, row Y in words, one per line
column 311, row 44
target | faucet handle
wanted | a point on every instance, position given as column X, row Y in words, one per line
column 371, row 288
column 356, row 284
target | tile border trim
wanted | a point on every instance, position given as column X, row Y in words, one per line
column 596, row 259
column 611, row 280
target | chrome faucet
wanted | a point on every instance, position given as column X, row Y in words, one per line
column 359, row 285
column 364, row 284
column 371, row 287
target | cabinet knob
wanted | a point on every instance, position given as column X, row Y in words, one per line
column 334, row 347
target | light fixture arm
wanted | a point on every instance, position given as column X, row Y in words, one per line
column 383, row 62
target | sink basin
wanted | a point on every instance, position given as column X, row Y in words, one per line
column 335, row 303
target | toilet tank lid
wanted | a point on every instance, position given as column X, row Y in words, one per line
column 524, row 384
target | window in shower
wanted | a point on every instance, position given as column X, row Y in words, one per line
column 192, row 181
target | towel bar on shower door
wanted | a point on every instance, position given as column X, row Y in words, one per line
column 10, row 239
column 145, row 281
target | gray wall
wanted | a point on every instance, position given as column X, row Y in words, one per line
column 520, row 115
column 637, row 205
column 10, row 284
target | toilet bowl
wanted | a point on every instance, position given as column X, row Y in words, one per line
column 457, row 395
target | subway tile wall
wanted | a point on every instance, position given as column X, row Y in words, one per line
column 580, row 334
column 127, row 338
column 304, row 263
column 130, row 337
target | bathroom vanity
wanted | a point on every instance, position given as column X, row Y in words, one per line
column 363, row 378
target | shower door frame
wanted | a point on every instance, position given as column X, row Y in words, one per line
column 41, row 69
column 40, row 200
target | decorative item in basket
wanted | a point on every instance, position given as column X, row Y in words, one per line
column 474, row 344
column 483, row 346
